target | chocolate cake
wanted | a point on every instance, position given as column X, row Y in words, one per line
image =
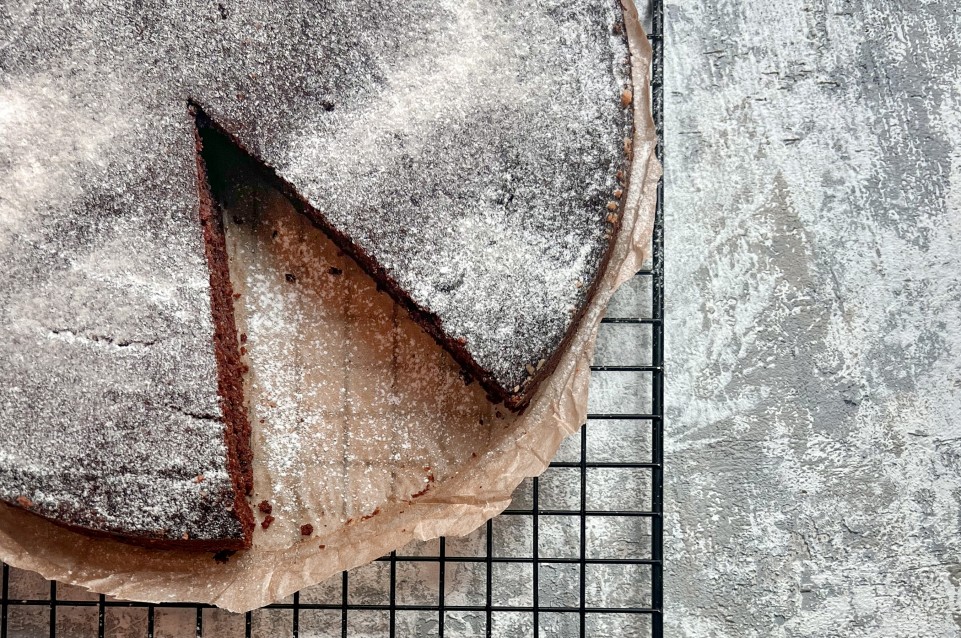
column 468, row 155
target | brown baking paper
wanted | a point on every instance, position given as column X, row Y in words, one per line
column 364, row 428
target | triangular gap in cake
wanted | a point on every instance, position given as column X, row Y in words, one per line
column 216, row 145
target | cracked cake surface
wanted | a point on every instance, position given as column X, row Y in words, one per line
column 467, row 153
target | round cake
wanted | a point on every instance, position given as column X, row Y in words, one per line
column 470, row 157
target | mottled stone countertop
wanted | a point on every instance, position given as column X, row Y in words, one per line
column 813, row 218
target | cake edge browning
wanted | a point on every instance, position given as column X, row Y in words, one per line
column 231, row 370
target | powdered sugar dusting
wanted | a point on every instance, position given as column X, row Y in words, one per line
column 54, row 140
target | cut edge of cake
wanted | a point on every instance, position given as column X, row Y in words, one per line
column 230, row 368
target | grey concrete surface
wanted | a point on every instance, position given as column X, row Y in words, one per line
column 813, row 220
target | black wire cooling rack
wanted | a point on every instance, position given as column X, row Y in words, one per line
column 547, row 610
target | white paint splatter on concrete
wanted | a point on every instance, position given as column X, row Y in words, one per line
column 814, row 214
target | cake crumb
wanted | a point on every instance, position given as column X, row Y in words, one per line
column 23, row 501
column 199, row 478
column 322, row 546
column 627, row 96
column 265, row 507
column 306, row 529
column 612, row 206
column 267, row 521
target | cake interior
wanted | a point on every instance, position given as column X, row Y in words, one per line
column 213, row 161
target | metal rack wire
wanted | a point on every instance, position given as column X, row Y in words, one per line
column 541, row 615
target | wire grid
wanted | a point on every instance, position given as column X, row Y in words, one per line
column 633, row 620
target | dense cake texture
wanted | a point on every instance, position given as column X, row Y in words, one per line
column 467, row 154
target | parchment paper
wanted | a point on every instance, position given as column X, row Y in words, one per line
column 364, row 428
